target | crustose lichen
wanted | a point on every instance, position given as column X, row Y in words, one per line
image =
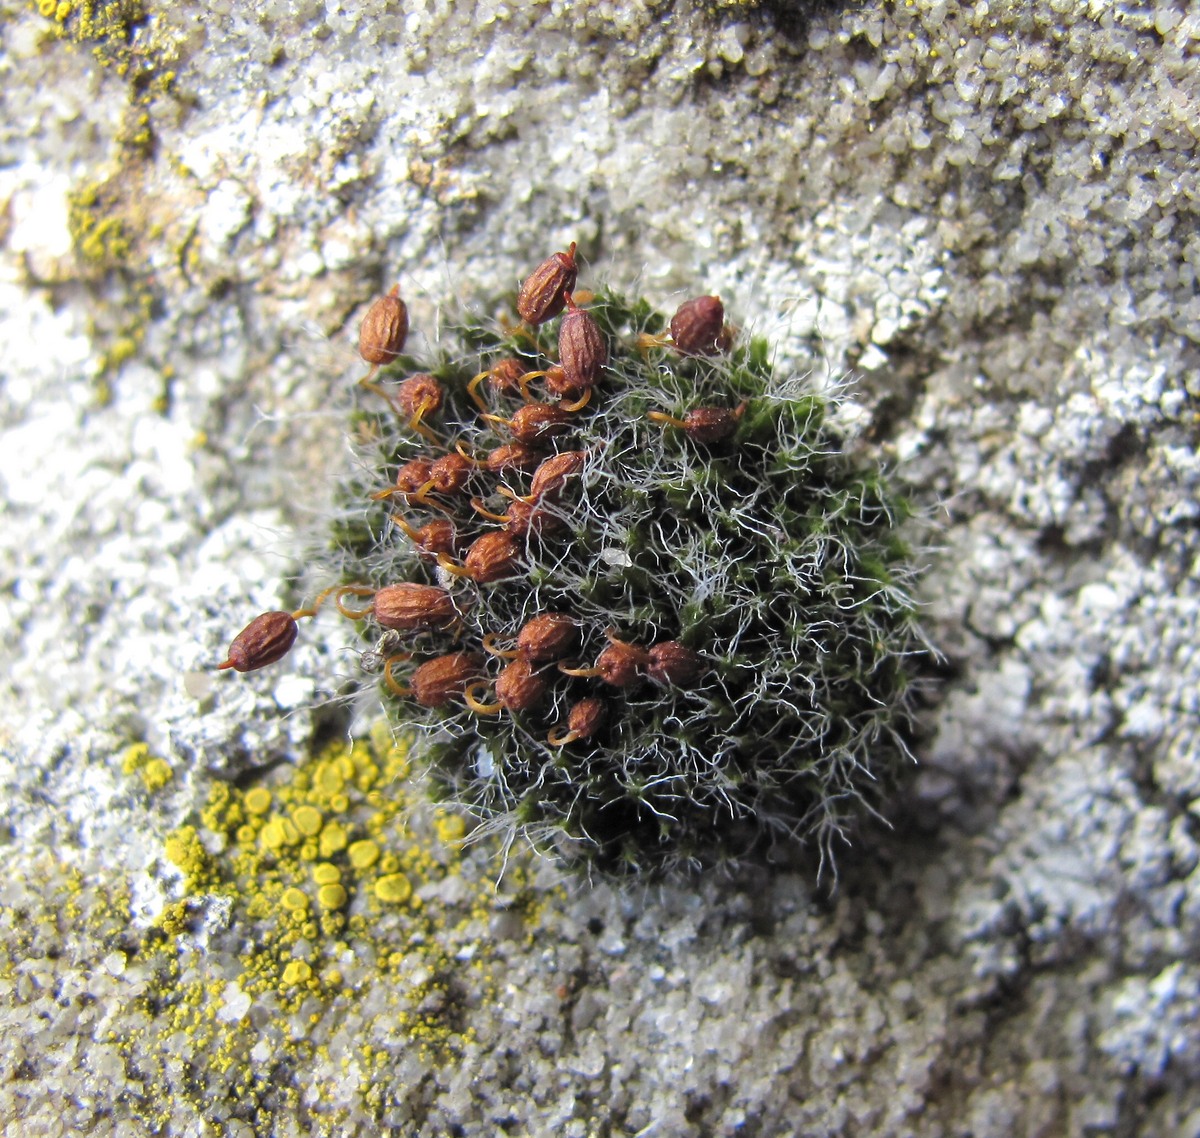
column 645, row 606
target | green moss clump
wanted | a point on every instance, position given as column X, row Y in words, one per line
column 772, row 556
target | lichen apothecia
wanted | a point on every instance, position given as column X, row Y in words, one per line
column 626, row 580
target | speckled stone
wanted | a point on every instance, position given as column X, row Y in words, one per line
column 982, row 215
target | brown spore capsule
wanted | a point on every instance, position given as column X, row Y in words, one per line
column 420, row 395
column 622, row 665
column 492, row 557
column 519, row 687
column 675, row 664
column 266, row 639
column 698, row 327
column 552, row 474
column 587, row 717
column 437, row 536
column 436, row 682
column 558, row 385
column 544, row 292
column 538, row 422
column 409, row 607
column 512, row 456
column 413, row 475
column 504, row 378
column 527, row 518
column 582, row 352
column 711, row 424
column 450, row 473
column 547, row 636
column 384, row 329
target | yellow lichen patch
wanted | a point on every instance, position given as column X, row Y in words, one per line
column 363, row 854
column 450, row 828
column 332, row 896
column 100, row 236
column 308, row 820
column 326, row 873
column 107, row 218
column 185, row 851
column 257, row 800
column 302, row 936
column 294, row 900
column 278, row 833
column 154, row 772
column 296, row 972
column 395, row 888
column 108, row 27
column 134, row 758
column 333, row 838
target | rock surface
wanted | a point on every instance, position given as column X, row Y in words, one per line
column 985, row 211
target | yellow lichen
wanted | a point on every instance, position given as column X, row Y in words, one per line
column 272, row 835
column 296, row 972
column 363, row 854
column 100, row 238
column 333, row 837
column 106, row 218
column 294, row 900
column 308, row 820
column 395, row 888
column 326, row 874
column 332, row 896
column 185, row 850
column 258, row 800
column 306, row 916
column 156, row 774
column 450, row 828
column 134, row 757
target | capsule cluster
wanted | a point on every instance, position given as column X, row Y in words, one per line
column 629, row 579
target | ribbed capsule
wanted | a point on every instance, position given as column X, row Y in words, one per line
column 437, row 536
column 420, row 394
column 582, row 352
column 512, row 456
column 412, row 475
column 587, row 717
column 711, row 424
column 547, row 636
column 504, row 377
column 551, row 476
column 544, row 292
column 384, row 329
column 450, row 473
column 538, row 422
column 529, row 518
column 622, row 665
column 698, row 327
column 520, row 687
column 674, row 664
column 436, row 682
column 492, row 557
column 266, row 639
column 409, row 607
